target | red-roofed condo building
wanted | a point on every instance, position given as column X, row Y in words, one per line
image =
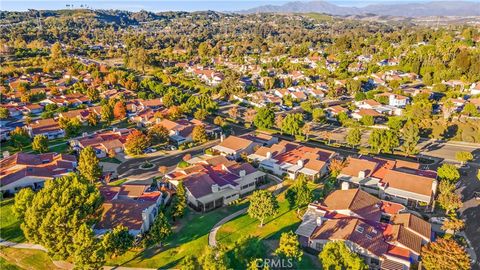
column 212, row 182
column 29, row 170
column 375, row 229
column 291, row 159
column 395, row 180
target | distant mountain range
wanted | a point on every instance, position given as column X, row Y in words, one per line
column 437, row 8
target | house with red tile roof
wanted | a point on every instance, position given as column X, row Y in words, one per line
column 181, row 130
column 399, row 181
column 134, row 206
column 30, row 170
column 291, row 159
column 48, row 127
column 214, row 181
column 377, row 230
column 82, row 114
column 104, row 143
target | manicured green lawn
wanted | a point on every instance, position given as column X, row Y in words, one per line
column 111, row 160
column 9, row 224
column 286, row 220
column 117, row 182
column 5, row 265
column 26, row 259
column 190, row 238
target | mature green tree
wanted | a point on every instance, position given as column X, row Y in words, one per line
column 299, row 195
column 58, row 211
column 463, row 156
column 262, row 204
column 318, row 115
column 336, row 255
column 444, row 254
column 289, row 247
column 88, row 250
column 354, row 136
column 179, row 205
column 410, row 136
column 158, row 134
column 246, row 249
column 470, row 109
column 367, row 120
column 19, row 138
column 448, row 172
column 136, row 143
column 23, row 200
column 292, row 124
column 199, row 134
column 375, row 140
column 107, row 113
column 4, row 113
column 395, row 123
column 201, row 114
column 214, row 259
column 159, row 231
column 117, row 241
column 389, row 141
column 189, row 262
column 89, row 164
column 449, row 201
column 265, row 118
column 40, row 143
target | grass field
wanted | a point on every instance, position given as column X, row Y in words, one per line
column 190, row 237
column 9, row 225
column 286, row 220
column 25, row 259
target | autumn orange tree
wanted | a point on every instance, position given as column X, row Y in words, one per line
column 119, row 111
column 136, row 143
column 444, row 254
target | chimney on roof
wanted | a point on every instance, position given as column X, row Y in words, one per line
column 300, row 163
column 222, row 137
column 269, row 155
column 215, row 188
column 243, row 173
column 361, row 174
column 6, row 154
column 319, row 221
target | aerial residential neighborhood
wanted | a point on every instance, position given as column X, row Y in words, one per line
column 302, row 135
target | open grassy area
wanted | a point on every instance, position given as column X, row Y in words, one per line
column 14, row 258
column 190, row 238
column 117, row 182
column 9, row 224
column 110, row 160
column 286, row 220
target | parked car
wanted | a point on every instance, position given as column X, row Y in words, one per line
column 150, row 150
column 438, row 220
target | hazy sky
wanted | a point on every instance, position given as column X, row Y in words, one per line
column 170, row 5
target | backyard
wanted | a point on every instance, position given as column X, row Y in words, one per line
column 12, row 259
column 190, row 237
column 9, row 225
column 286, row 220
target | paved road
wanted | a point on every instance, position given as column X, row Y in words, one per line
column 131, row 167
column 212, row 236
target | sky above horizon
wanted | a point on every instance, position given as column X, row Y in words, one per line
column 171, row 5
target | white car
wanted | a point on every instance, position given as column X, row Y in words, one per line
column 438, row 220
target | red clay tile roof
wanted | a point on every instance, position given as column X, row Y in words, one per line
column 355, row 200
column 235, row 143
column 414, row 223
column 355, row 165
column 409, row 182
column 122, row 212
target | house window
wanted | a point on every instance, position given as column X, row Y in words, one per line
column 318, row 246
column 375, row 261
